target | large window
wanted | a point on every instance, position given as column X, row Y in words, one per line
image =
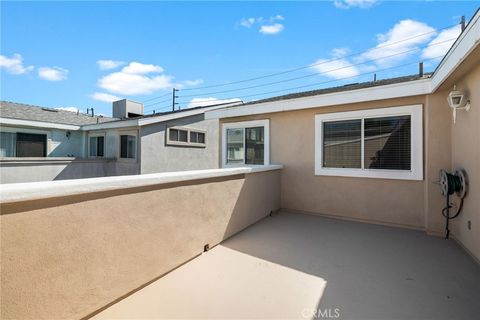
column 376, row 143
column 187, row 137
column 23, row 144
column 96, row 146
column 128, row 147
column 246, row 143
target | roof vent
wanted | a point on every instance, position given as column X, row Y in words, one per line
column 125, row 109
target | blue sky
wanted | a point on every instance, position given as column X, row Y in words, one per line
column 85, row 54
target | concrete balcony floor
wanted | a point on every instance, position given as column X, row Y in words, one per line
column 300, row 266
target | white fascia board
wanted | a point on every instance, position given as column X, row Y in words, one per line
column 465, row 44
column 111, row 125
column 38, row 124
column 146, row 121
column 396, row 90
column 14, row 192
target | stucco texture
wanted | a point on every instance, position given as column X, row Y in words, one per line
column 69, row 257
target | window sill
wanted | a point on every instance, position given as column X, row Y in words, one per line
column 186, row 144
column 370, row 173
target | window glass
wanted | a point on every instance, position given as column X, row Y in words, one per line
column 342, row 144
column 193, row 137
column 96, row 146
column 254, row 144
column 387, row 143
column 8, row 143
column 100, row 146
column 31, row 145
column 127, row 146
column 201, row 137
column 235, row 152
column 93, row 147
column 182, row 135
column 173, row 135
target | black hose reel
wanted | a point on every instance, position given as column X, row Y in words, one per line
column 450, row 184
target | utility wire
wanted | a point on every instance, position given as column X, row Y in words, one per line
column 154, row 98
column 333, row 80
column 156, row 103
column 318, row 73
column 323, row 62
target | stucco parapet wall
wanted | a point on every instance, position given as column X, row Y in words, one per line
column 16, row 192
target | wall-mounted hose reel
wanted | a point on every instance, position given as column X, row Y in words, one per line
column 450, row 184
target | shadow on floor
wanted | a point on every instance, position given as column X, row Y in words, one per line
column 372, row 271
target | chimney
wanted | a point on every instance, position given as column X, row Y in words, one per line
column 126, row 109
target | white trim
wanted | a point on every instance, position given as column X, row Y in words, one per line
column 416, row 172
column 188, row 143
column 135, row 153
column 397, row 90
column 463, row 46
column 38, row 124
column 242, row 125
column 50, row 189
column 96, row 134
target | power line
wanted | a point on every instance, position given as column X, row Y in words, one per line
column 155, row 103
column 154, row 98
column 317, row 73
column 323, row 62
column 333, row 80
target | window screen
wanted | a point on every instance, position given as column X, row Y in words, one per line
column 387, row 143
column 235, row 153
column 31, row 145
column 342, row 144
column 254, row 145
column 197, row 137
column 127, row 146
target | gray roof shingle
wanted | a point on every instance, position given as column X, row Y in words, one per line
column 22, row 111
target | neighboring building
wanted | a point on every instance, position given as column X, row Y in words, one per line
column 40, row 144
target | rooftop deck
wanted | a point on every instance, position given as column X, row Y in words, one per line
column 300, row 266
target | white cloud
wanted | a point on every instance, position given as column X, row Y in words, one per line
column 442, row 43
column 71, row 109
column 203, row 102
column 109, row 64
column 192, row 83
column 247, row 22
column 104, row 97
column 267, row 25
column 393, row 43
column 337, row 69
column 14, row 65
column 53, row 73
column 140, row 68
column 136, row 78
column 346, row 4
column 272, row 28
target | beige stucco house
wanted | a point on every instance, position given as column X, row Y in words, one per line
column 274, row 231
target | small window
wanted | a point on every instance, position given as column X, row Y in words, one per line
column 96, row 146
column 246, row 143
column 376, row 143
column 127, row 146
column 185, row 137
column 31, row 145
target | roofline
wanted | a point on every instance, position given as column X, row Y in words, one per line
column 468, row 40
column 38, row 124
column 395, row 90
column 151, row 120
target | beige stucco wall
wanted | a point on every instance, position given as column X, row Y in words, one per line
column 68, row 257
column 292, row 137
column 465, row 135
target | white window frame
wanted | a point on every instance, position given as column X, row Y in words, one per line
column 416, row 143
column 93, row 135
column 135, row 153
column 243, row 125
column 188, row 143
